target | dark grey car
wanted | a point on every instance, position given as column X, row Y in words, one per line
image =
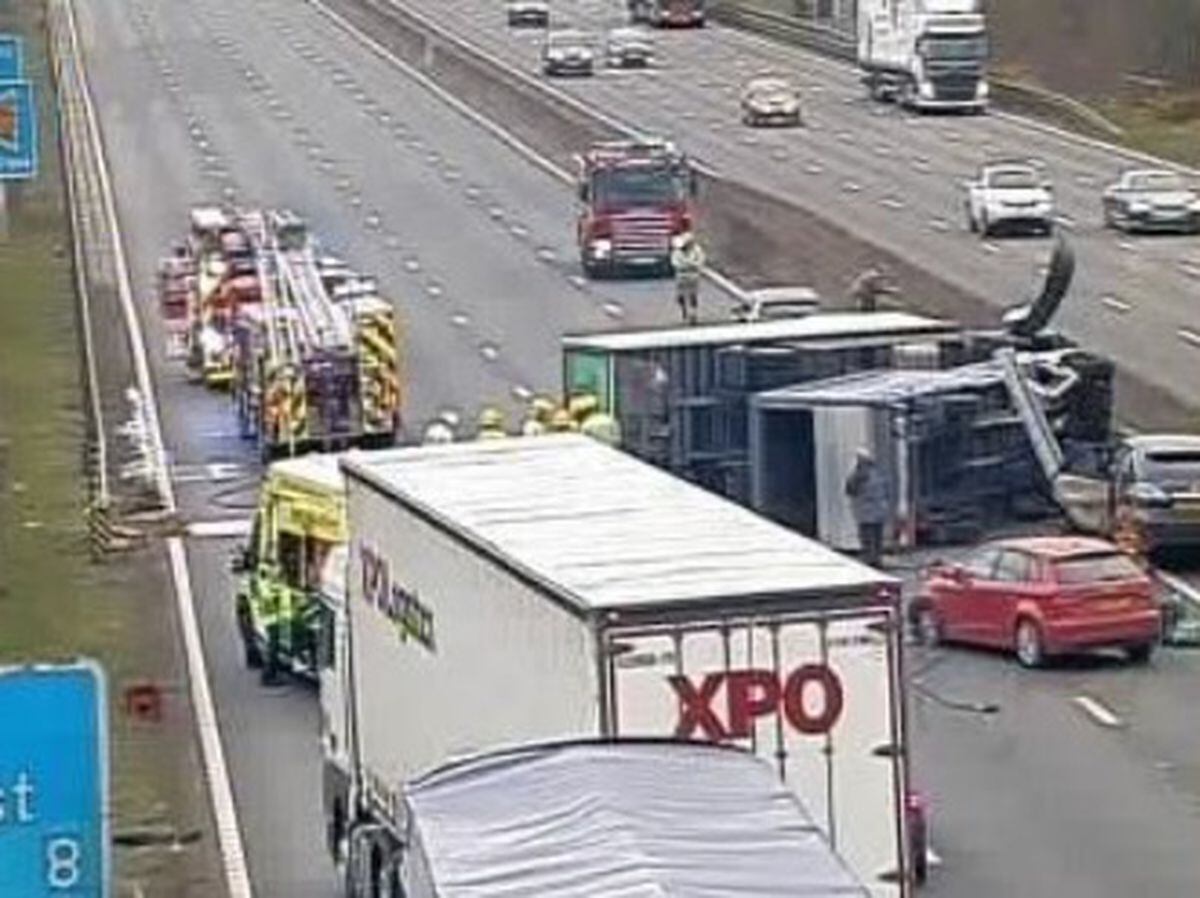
column 1157, row 487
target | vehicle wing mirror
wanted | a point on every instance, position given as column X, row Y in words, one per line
column 956, row 573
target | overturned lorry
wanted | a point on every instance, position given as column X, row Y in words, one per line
column 771, row 413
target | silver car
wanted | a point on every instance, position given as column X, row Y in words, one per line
column 568, row 53
column 1151, row 200
column 626, row 48
column 771, row 101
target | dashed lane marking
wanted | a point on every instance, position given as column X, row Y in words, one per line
column 1098, row 712
column 226, row 529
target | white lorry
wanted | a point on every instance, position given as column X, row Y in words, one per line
column 529, row 589
column 925, row 54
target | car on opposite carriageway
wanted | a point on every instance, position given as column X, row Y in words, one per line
column 1151, row 200
column 1041, row 596
column 628, row 48
column 568, row 52
column 1010, row 195
column 535, row 13
column 771, row 100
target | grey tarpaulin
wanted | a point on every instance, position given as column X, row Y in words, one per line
column 616, row 820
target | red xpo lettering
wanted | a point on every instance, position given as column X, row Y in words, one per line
column 754, row 693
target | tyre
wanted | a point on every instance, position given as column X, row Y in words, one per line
column 1030, row 648
column 1140, row 654
column 985, row 226
column 929, row 628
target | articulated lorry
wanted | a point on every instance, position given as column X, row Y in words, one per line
column 503, row 592
column 507, row 824
column 925, row 54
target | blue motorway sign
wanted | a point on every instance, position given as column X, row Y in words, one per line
column 18, row 131
column 53, row 782
column 12, row 66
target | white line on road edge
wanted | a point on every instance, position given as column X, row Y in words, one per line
column 933, row 858
column 1098, row 712
column 229, row 837
column 471, row 114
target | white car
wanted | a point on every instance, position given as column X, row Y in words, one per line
column 628, row 48
column 528, row 12
column 1010, row 196
column 769, row 303
column 1151, row 200
column 568, row 53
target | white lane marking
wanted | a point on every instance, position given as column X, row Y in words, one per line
column 1117, row 305
column 1188, row 336
column 933, row 858
column 1098, row 712
column 503, row 135
column 229, row 834
column 234, row 527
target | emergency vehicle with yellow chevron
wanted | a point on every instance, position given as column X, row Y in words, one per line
column 315, row 363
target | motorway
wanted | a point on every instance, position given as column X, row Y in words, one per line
column 204, row 103
column 889, row 177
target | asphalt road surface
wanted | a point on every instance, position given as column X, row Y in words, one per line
column 891, row 177
column 269, row 104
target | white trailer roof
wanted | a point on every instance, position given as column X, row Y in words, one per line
column 602, row 530
column 818, row 326
column 640, row 820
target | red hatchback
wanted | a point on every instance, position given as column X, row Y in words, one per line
column 1041, row 596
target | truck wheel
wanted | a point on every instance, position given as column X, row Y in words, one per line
column 1031, row 652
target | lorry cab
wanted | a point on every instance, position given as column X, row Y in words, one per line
column 635, row 202
column 294, row 556
column 929, row 55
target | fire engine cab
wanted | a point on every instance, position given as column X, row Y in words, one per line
column 636, row 202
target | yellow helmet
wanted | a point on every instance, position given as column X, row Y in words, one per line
column 583, row 405
column 491, row 419
column 562, row 422
column 541, row 408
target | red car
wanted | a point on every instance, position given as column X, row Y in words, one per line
column 1041, row 596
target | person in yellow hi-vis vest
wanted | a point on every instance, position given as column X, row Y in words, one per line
column 562, row 422
column 491, row 425
column 275, row 613
column 537, row 418
column 603, row 427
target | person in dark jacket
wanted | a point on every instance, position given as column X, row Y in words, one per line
column 868, row 492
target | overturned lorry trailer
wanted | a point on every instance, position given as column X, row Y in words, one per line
column 550, row 587
column 949, row 442
column 680, row 394
column 662, row 818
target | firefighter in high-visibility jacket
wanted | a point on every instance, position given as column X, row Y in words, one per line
column 537, row 418
column 491, row 425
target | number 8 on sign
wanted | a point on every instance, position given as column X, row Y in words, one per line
column 63, row 862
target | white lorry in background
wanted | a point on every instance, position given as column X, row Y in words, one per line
column 925, row 54
column 531, row 589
